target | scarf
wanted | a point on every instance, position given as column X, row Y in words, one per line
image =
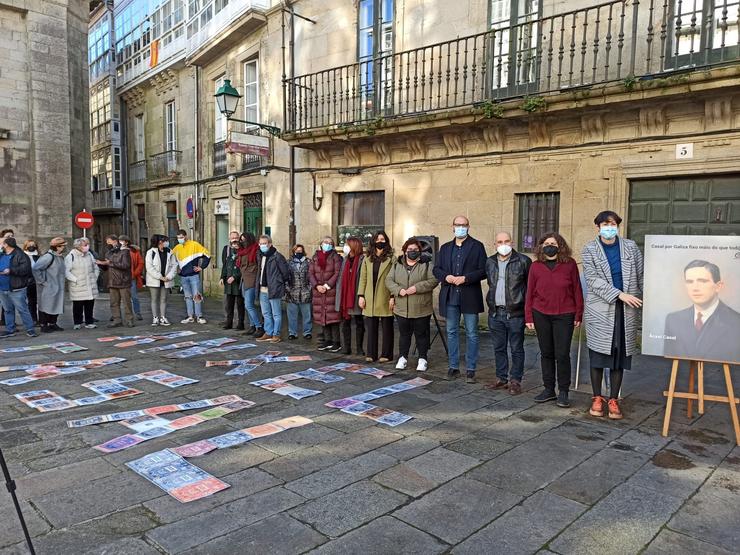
column 349, row 286
column 321, row 258
column 250, row 252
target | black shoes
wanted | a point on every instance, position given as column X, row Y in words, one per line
column 452, row 374
column 308, row 336
column 227, row 325
column 563, row 400
column 240, row 326
column 545, row 396
column 250, row 331
column 259, row 332
column 324, row 346
column 334, row 348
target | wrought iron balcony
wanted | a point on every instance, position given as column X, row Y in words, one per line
column 620, row 40
column 137, row 173
column 106, row 200
column 220, row 166
column 165, row 165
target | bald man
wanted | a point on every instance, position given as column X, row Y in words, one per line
column 460, row 268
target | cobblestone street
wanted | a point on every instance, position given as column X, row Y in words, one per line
column 474, row 472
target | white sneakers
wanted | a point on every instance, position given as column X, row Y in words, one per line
column 155, row 321
column 188, row 320
column 91, row 326
column 164, row 321
column 422, row 365
column 202, row 320
column 401, row 364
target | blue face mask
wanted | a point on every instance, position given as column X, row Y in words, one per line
column 264, row 248
column 461, row 231
column 326, row 247
column 181, row 241
column 608, row 231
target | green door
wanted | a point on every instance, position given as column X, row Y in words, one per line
column 700, row 205
column 253, row 221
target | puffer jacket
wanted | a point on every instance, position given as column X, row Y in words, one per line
column 155, row 272
column 517, row 273
column 119, row 269
column 323, row 304
column 299, row 289
column 82, row 275
column 421, row 276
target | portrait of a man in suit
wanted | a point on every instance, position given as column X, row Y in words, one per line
column 708, row 329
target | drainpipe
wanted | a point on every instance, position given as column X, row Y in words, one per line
column 196, row 157
column 291, row 224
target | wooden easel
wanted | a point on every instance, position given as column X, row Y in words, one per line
column 696, row 374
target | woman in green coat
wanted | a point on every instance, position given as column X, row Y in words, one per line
column 231, row 278
column 411, row 282
column 375, row 299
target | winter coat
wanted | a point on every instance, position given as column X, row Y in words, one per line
column 601, row 295
column 154, row 272
column 276, row 273
column 420, row 275
column 20, row 270
column 49, row 271
column 137, row 266
column 515, row 290
column 323, row 304
column 356, row 311
column 82, row 274
column 119, row 269
column 299, row 290
column 474, row 270
column 230, row 269
column 248, row 271
column 377, row 296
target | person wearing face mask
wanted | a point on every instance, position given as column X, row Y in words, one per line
column 375, row 299
column 507, row 272
column 273, row 279
column 193, row 258
column 246, row 260
column 298, row 294
column 82, row 275
column 15, row 275
column 118, row 262
column 323, row 274
column 554, row 307
column 49, row 272
column 347, row 302
column 225, row 252
column 32, row 250
column 613, row 268
column 231, row 279
column 161, row 269
column 137, row 273
column 460, row 267
column 411, row 282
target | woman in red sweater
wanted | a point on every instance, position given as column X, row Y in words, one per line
column 554, row 307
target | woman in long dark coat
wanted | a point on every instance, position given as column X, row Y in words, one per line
column 323, row 274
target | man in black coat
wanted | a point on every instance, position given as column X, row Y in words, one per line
column 233, row 238
column 707, row 330
column 460, row 268
column 15, row 275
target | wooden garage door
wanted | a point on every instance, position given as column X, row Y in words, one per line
column 684, row 206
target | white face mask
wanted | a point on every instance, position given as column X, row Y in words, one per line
column 346, row 250
column 504, row 250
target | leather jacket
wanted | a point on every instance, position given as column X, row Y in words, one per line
column 517, row 272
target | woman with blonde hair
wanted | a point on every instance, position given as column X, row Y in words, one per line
column 82, row 274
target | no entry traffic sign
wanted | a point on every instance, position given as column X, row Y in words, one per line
column 84, row 220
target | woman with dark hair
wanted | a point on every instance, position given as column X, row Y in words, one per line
column 246, row 261
column 231, row 279
column 613, row 268
column 323, row 274
column 375, row 298
column 298, row 294
column 553, row 307
column 347, row 303
column 411, row 282
column 161, row 268
column 31, row 248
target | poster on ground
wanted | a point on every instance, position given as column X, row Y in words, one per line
column 692, row 297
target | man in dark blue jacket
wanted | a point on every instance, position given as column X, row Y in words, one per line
column 460, row 268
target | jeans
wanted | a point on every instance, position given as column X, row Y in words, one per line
column 159, row 301
column 306, row 314
column 120, row 300
column 418, row 327
column 12, row 301
column 191, row 288
column 453, row 339
column 554, row 334
column 505, row 332
column 249, row 298
column 135, row 299
column 272, row 313
column 82, row 309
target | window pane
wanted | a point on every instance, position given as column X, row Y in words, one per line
column 538, row 214
column 366, row 13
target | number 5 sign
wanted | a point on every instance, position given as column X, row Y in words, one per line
column 684, row 151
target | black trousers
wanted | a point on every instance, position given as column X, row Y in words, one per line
column 359, row 334
column 417, row 327
column 83, row 307
column 232, row 300
column 47, row 319
column 32, row 302
column 554, row 334
column 331, row 334
column 385, row 324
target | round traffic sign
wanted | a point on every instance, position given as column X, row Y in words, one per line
column 84, row 220
column 189, row 209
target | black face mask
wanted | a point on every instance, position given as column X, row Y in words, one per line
column 298, row 255
column 550, row 250
column 31, row 249
column 413, row 255
column 380, row 246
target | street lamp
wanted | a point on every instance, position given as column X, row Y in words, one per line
column 227, row 99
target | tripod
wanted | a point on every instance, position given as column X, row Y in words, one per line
column 438, row 333
column 10, row 484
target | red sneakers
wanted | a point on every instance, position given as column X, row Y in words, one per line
column 597, row 406
column 615, row 413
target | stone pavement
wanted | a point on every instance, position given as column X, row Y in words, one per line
column 474, row 472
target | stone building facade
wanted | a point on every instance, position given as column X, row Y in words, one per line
column 44, row 144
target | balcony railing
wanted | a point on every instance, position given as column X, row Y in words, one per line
column 137, row 173
column 165, row 165
column 200, row 33
column 614, row 41
column 128, row 70
column 107, row 199
column 219, row 158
